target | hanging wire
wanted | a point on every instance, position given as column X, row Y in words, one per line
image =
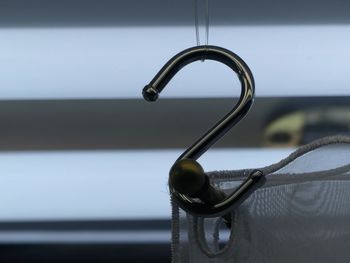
column 196, row 23
column 207, row 22
column 206, row 18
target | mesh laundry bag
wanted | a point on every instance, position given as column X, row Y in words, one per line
column 301, row 214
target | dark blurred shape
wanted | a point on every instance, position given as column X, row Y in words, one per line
column 303, row 126
column 77, row 13
column 110, row 124
column 99, row 251
column 88, row 253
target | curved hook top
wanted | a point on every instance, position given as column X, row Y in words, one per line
column 158, row 83
column 169, row 70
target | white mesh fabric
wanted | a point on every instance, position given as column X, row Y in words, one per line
column 301, row 214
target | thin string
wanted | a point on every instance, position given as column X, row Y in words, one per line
column 206, row 18
column 207, row 23
column 196, row 23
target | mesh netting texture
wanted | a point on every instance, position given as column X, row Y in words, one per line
column 301, row 214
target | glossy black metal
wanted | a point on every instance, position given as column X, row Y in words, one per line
column 214, row 201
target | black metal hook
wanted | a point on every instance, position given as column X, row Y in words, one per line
column 187, row 179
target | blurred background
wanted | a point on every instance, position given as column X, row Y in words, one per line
column 84, row 160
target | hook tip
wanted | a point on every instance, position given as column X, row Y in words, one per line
column 150, row 93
